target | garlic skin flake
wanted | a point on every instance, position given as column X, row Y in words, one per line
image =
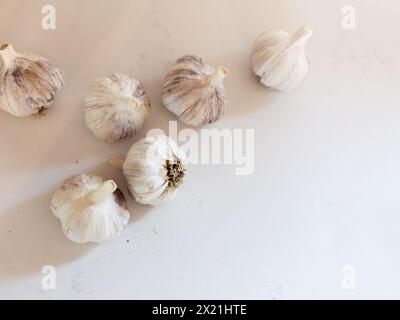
column 154, row 169
column 28, row 82
column 90, row 209
column 280, row 59
column 116, row 107
column 194, row 91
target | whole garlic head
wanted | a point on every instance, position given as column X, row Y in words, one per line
column 280, row 60
column 194, row 91
column 28, row 82
column 154, row 169
column 90, row 209
column 116, row 107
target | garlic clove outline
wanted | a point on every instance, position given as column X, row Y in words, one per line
column 29, row 83
column 116, row 107
column 194, row 91
column 279, row 58
column 90, row 208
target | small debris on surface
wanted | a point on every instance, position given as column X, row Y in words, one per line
column 131, row 245
column 155, row 230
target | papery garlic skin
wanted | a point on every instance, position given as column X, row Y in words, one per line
column 194, row 91
column 154, row 170
column 116, row 107
column 90, row 209
column 28, row 82
column 280, row 59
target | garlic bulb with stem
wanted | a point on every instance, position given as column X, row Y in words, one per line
column 28, row 82
column 154, row 169
column 280, row 60
column 90, row 208
column 194, row 91
column 116, row 107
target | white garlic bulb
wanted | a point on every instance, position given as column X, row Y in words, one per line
column 90, row 209
column 194, row 91
column 28, row 82
column 154, row 169
column 280, row 60
column 116, row 107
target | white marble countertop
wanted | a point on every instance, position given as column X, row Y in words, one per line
column 324, row 194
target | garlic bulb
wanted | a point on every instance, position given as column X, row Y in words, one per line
column 154, row 169
column 90, row 209
column 280, row 60
column 116, row 107
column 194, row 91
column 28, row 82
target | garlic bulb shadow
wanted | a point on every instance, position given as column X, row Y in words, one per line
column 246, row 94
column 31, row 238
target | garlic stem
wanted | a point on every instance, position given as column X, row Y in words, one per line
column 131, row 103
column 101, row 194
column 116, row 162
column 8, row 55
column 218, row 76
column 300, row 37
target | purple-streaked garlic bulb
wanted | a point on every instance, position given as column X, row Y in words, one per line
column 29, row 83
column 116, row 107
column 90, row 208
column 194, row 91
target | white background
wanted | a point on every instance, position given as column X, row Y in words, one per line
column 325, row 191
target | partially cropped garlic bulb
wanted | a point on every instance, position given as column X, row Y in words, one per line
column 116, row 107
column 280, row 60
column 28, row 82
column 194, row 91
column 154, row 169
column 90, row 209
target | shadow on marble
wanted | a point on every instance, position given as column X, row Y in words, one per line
column 244, row 91
column 31, row 236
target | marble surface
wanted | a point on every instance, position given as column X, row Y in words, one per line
column 324, row 193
